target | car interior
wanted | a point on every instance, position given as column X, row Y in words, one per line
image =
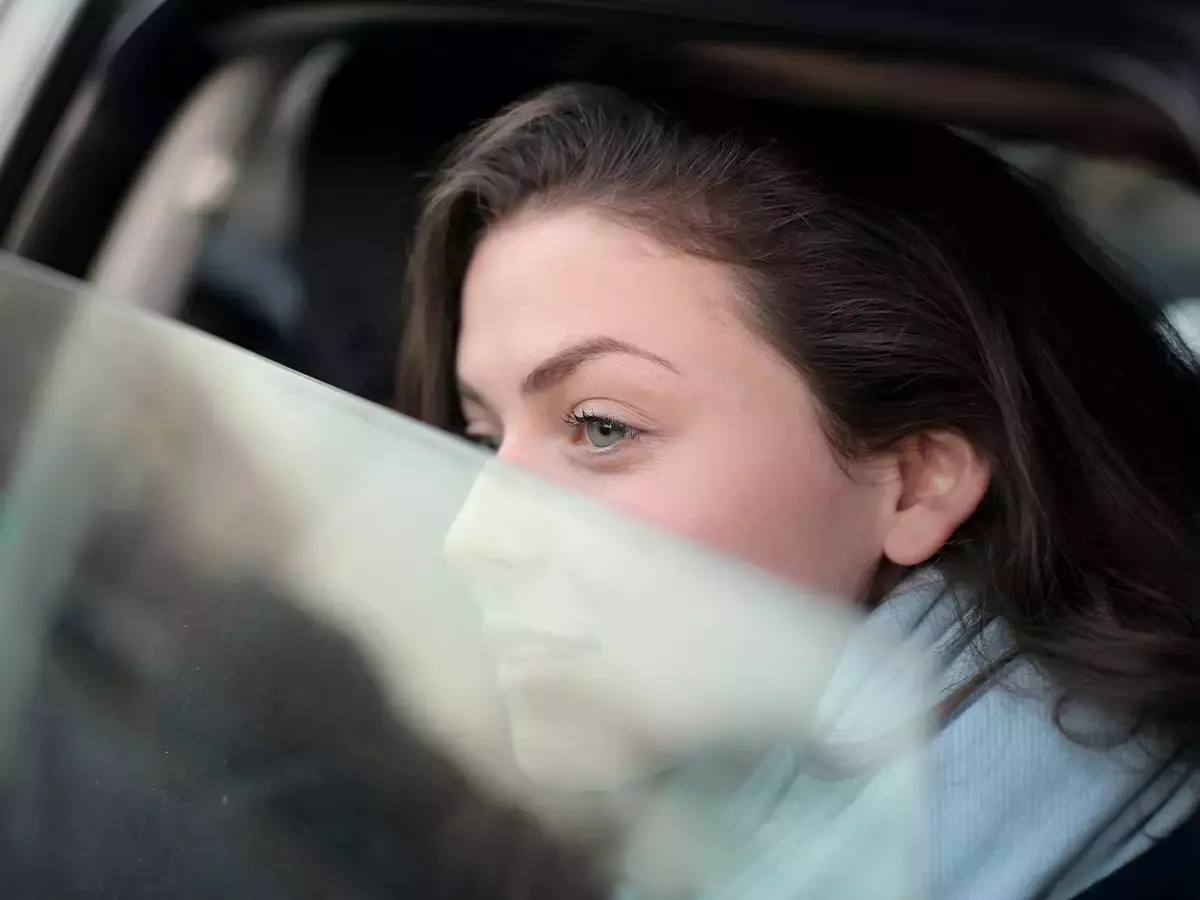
column 255, row 169
column 280, row 165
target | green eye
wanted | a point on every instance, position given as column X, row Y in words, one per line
column 604, row 433
column 601, row 432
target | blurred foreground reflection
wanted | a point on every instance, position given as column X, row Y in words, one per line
column 264, row 640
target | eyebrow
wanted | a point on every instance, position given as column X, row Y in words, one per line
column 562, row 364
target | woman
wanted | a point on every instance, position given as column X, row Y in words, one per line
column 864, row 356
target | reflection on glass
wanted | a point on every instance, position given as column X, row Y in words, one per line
column 283, row 643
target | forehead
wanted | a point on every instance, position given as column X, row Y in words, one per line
column 545, row 281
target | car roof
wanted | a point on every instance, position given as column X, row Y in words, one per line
column 1122, row 75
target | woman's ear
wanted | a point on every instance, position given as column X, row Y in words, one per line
column 940, row 479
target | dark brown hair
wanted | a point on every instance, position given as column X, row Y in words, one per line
column 916, row 283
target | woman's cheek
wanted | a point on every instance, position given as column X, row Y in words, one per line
column 801, row 518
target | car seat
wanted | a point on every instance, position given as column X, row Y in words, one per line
column 307, row 266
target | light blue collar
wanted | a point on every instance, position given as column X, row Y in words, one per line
column 997, row 805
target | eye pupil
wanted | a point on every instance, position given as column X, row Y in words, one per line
column 602, row 433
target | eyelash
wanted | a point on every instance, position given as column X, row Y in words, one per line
column 584, row 418
column 574, row 421
column 484, row 441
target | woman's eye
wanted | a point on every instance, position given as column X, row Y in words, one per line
column 489, row 442
column 601, row 432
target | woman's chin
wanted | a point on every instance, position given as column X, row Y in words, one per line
column 570, row 754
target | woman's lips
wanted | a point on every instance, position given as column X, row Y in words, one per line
column 525, row 655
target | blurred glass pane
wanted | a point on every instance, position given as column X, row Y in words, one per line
column 267, row 640
column 36, row 306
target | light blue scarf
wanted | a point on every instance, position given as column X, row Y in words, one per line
column 1011, row 809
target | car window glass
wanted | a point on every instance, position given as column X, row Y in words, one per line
column 244, row 656
column 37, row 305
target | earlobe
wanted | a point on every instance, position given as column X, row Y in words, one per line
column 942, row 479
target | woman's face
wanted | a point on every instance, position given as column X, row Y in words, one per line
column 591, row 355
column 594, row 357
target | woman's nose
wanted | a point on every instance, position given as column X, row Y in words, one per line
column 503, row 528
